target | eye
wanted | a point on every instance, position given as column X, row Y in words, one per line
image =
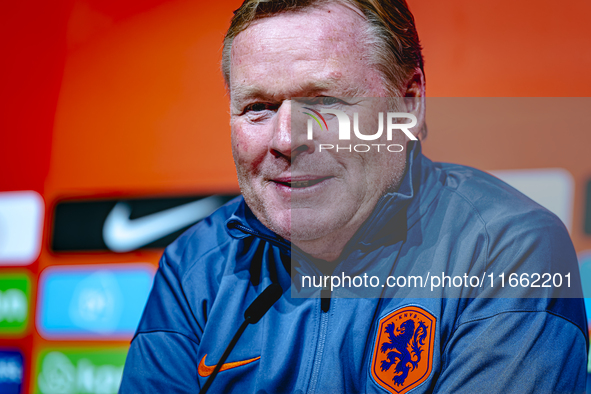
column 330, row 100
column 256, row 107
column 259, row 107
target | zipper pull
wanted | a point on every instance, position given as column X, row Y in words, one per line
column 325, row 300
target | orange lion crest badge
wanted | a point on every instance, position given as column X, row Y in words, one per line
column 403, row 351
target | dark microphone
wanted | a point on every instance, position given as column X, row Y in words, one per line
column 263, row 303
column 252, row 315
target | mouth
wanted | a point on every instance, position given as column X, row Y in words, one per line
column 303, row 183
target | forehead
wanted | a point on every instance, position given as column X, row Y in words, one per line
column 294, row 52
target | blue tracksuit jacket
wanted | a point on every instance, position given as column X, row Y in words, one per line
column 444, row 218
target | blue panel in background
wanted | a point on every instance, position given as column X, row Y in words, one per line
column 93, row 302
column 585, row 269
column 11, row 371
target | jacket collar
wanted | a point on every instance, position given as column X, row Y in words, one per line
column 397, row 211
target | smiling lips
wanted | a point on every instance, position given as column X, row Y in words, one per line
column 302, row 183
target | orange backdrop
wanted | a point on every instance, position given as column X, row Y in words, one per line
column 125, row 98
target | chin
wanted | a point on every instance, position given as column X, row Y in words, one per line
column 311, row 224
column 278, row 221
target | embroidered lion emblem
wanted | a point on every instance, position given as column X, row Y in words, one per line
column 397, row 348
column 404, row 348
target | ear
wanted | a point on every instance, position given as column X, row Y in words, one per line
column 415, row 101
column 415, row 86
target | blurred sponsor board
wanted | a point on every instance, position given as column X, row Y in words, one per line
column 11, row 371
column 15, row 297
column 21, row 227
column 126, row 225
column 71, row 371
column 93, row 301
column 552, row 188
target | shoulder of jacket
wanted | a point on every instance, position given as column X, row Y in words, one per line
column 496, row 202
column 202, row 243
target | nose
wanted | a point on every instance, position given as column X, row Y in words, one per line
column 288, row 142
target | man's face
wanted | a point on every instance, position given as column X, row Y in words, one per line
column 318, row 53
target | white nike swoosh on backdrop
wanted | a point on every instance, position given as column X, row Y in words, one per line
column 122, row 234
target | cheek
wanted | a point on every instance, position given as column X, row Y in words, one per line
column 381, row 169
column 248, row 148
column 239, row 141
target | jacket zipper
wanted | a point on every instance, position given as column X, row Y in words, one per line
column 321, row 342
column 325, row 301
